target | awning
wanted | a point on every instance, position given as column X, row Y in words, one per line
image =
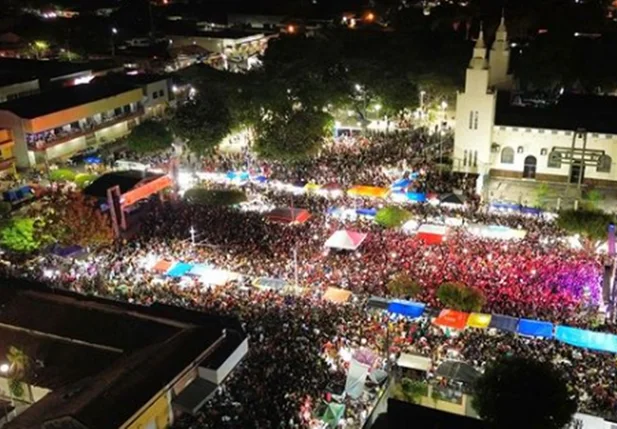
column 400, row 185
column 336, row 295
column 458, row 371
column 345, row 240
column 368, row 191
column 406, row 308
column 333, row 414
column 366, row 212
column 479, row 320
column 456, row 199
column 378, row 302
column 288, row 215
column 162, row 266
column 412, row 361
column 195, row 395
column 535, row 328
column 452, row 319
column 269, row 283
column 431, row 234
column 179, row 270
column 312, row 187
column 587, row 339
column 503, row 323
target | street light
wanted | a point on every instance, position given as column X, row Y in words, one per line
column 4, row 368
column 114, row 31
column 192, row 231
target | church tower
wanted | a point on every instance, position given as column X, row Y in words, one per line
column 499, row 59
column 475, row 115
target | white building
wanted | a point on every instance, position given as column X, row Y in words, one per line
column 497, row 135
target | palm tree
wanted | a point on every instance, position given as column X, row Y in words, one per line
column 19, row 363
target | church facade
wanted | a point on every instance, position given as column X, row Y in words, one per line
column 570, row 139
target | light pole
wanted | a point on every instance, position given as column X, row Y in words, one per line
column 296, row 264
column 422, row 94
column 362, row 92
column 114, row 31
column 192, row 231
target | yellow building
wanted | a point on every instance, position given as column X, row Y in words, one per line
column 59, row 123
column 7, row 157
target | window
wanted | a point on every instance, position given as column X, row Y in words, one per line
column 475, row 158
column 595, row 135
column 475, row 120
column 465, row 158
column 471, row 120
column 527, row 130
column 520, row 149
column 155, row 95
column 554, row 160
column 604, row 164
column 568, row 133
column 541, row 131
column 554, row 131
column 127, row 109
column 161, row 93
column 507, row 155
column 543, row 151
column 118, row 111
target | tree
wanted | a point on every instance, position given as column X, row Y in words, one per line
column 392, row 217
column 543, row 194
column 74, row 219
column 62, row 175
column 203, row 122
column 458, row 296
column 538, row 389
column 403, row 286
column 149, row 136
column 410, row 390
column 591, row 199
column 590, row 225
column 19, row 235
column 19, row 365
column 214, row 197
column 293, row 136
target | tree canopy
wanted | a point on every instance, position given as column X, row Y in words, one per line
column 203, row 122
column 149, row 136
column 590, row 225
column 458, row 296
column 538, row 390
column 392, row 217
column 294, row 136
column 403, row 286
column 19, row 235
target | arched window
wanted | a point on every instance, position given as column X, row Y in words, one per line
column 554, row 160
column 604, row 164
column 507, row 155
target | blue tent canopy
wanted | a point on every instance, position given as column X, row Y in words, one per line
column 366, row 212
column 503, row 323
column 400, row 184
column 406, row 308
column 231, row 175
column 418, row 197
column 93, row 160
column 244, row 176
column 199, row 270
column 260, row 179
column 179, row 269
column 535, row 328
column 531, row 210
column 505, row 206
column 587, row 339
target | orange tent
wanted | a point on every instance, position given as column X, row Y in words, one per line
column 288, row 215
column 162, row 266
column 368, row 191
column 336, row 295
column 452, row 319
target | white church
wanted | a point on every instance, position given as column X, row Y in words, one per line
column 571, row 139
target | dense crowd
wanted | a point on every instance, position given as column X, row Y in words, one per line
column 295, row 360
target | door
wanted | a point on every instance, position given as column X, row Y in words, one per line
column 529, row 169
column 577, row 171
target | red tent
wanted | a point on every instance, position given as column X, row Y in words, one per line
column 288, row 215
column 452, row 319
column 432, row 234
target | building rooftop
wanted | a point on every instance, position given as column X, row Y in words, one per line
column 102, row 359
column 49, row 69
column 59, row 99
column 7, row 79
column 223, row 34
column 134, row 79
column 594, row 113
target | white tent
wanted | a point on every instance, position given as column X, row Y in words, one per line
column 417, row 362
column 427, row 228
column 345, row 240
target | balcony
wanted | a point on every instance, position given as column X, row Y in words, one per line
column 49, row 139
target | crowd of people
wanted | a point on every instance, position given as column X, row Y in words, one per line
column 295, row 362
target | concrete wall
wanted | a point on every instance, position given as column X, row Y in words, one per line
column 18, row 90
